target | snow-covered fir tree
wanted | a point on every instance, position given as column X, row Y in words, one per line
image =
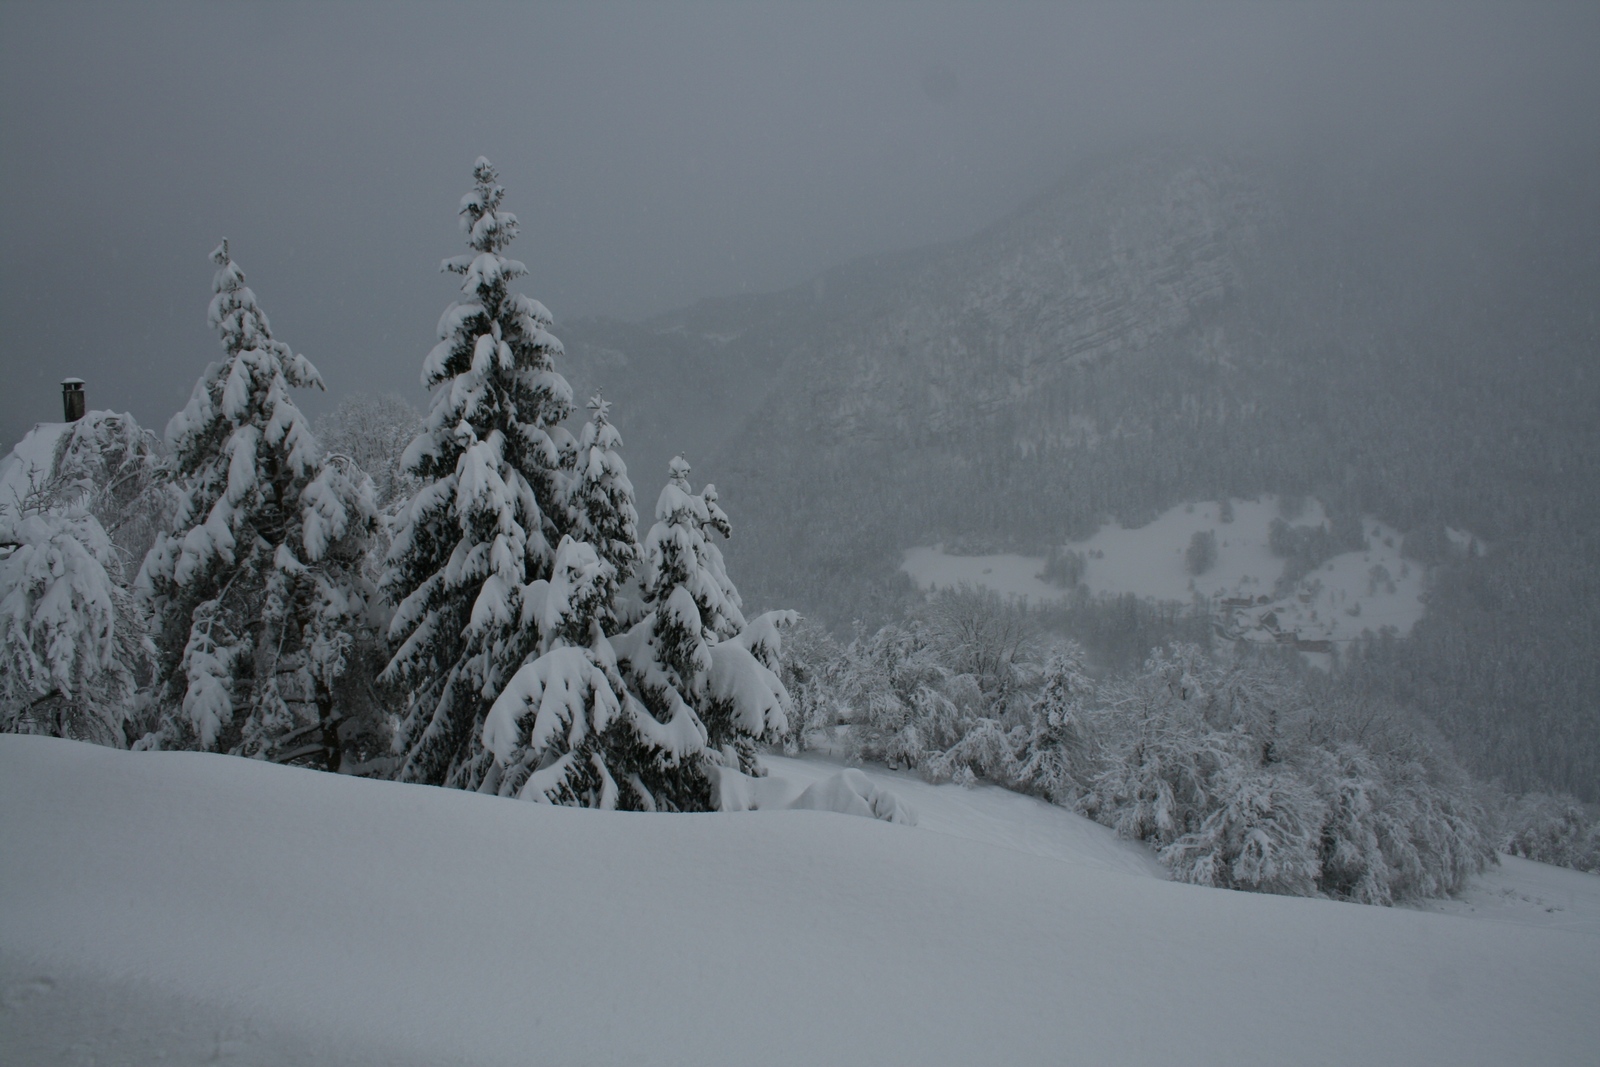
column 1054, row 759
column 254, row 586
column 694, row 649
column 604, row 512
column 495, row 465
column 566, row 730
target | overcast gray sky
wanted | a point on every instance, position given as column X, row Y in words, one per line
column 656, row 154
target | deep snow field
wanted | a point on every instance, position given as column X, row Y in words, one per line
column 193, row 908
column 1350, row 593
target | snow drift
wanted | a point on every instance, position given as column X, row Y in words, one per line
column 377, row 922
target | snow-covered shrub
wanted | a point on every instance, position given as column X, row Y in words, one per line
column 852, row 793
column 255, row 585
column 1261, row 834
column 69, row 640
column 1554, row 829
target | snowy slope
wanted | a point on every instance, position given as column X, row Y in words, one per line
column 991, row 815
column 199, row 908
column 1349, row 594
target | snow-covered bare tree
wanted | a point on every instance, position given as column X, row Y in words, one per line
column 987, row 637
column 111, row 465
column 1554, row 829
column 495, row 501
column 373, row 431
column 812, row 671
column 69, row 640
column 1262, row 832
column 255, row 585
column 896, row 686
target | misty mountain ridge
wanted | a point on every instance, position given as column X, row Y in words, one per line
column 1162, row 326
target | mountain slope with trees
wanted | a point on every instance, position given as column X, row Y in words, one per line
column 1170, row 325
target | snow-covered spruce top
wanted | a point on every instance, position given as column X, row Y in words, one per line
column 679, row 554
column 496, row 499
column 603, row 499
column 695, row 648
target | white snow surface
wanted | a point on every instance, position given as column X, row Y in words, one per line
column 192, row 907
column 1148, row 561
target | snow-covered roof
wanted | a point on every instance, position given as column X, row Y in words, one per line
column 72, row 381
column 35, row 452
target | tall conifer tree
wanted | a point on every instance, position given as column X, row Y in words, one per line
column 495, row 502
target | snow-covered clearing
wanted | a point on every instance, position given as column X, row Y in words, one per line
column 1350, row 593
column 202, row 908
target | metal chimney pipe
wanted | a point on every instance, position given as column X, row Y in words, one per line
column 72, row 399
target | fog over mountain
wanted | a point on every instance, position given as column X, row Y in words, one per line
column 659, row 154
column 1169, row 324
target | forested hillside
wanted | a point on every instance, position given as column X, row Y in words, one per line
column 1166, row 326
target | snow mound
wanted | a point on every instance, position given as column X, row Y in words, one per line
column 735, row 791
column 846, row 792
column 851, row 792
